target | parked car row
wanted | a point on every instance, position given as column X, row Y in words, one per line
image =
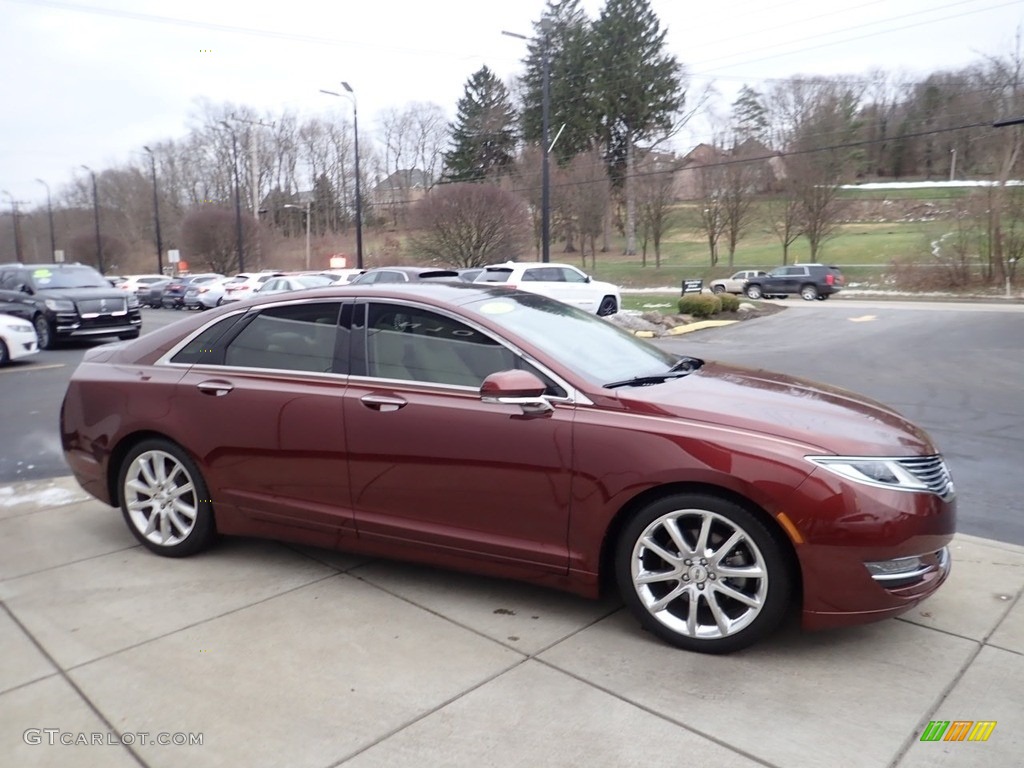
column 557, row 281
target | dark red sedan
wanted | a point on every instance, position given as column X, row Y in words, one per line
column 505, row 433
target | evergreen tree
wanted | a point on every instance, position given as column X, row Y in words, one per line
column 483, row 134
column 564, row 33
column 323, row 205
column 639, row 90
column 750, row 116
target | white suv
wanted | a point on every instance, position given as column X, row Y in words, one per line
column 557, row 281
column 245, row 284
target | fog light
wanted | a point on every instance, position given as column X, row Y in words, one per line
column 899, row 568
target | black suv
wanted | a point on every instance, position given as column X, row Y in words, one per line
column 811, row 281
column 65, row 301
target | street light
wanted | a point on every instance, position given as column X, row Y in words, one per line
column 359, row 199
column 14, row 220
column 238, row 198
column 545, row 149
column 96, row 216
column 49, row 210
column 289, row 205
column 156, row 215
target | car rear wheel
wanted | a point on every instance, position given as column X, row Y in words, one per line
column 129, row 335
column 718, row 289
column 164, row 499
column 44, row 334
column 754, row 292
column 809, row 293
column 703, row 573
column 608, row 306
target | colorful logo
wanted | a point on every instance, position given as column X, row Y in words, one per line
column 958, row 730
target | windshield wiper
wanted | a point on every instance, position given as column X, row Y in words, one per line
column 687, row 364
column 684, row 366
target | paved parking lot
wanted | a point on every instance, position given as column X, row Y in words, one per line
column 275, row 655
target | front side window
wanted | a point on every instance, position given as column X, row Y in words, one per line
column 296, row 337
column 414, row 344
column 572, row 276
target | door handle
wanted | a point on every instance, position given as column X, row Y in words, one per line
column 215, row 388
column 382, row 403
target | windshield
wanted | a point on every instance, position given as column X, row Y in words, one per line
column 590, row 346
column 68, row 277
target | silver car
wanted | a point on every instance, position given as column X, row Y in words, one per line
column 737, row 283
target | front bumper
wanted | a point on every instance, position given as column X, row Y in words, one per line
column 856, row 555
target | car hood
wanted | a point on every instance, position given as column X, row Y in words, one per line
column 78, row 294
column 825, row 418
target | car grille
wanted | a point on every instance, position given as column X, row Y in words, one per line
column 94, row 307
column 933, row 472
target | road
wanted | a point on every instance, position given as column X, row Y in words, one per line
column 957, row 370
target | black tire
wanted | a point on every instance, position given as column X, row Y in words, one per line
column 129, row 335
column 718, row 289
column 608, row 306
column 44, row 332
column 754, row 292
column 698, row 577
column 823, row 296
column 165, row 519
column 809, row 293
column 5, row 355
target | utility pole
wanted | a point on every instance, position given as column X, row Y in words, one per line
column 49, row 211
column 254, row 159
column 14, row 216
column 156, row 215
column 238, row 197
column 96, row 216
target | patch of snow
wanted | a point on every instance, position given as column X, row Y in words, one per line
column 44, row 497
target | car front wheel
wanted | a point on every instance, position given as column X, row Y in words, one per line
column 5, row 356
column 703, row 573
column 608, row 306
column 164, row 499
column 754, row 292
column 809, row 293
column 44, row 334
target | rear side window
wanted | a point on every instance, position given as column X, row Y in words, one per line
column 296, row 337
column 494, row 276
column 203, row 348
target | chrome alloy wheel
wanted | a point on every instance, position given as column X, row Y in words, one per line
column 699, row 574
column 160, row 498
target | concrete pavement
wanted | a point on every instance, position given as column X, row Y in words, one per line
column 274, row 655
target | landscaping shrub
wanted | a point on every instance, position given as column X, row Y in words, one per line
column 700, row 304
column 730, row 303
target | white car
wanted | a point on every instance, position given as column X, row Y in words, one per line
column 557, row 281
column 737, row 283
column 17, row 339
column 245, row 284
column 206, row 295
column 135, row 283
column 341, row 276
column 290, row 283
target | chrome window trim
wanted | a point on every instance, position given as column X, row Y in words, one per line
column 573, row 397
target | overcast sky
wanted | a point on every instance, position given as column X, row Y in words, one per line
column 92, row 81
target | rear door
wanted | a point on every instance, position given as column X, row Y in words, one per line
column 262, row 406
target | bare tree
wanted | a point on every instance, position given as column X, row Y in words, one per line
column 209, row 237
column 470, row 225
column 655, row 187
column 591, row 189
column 783, row 213
column 711, row 221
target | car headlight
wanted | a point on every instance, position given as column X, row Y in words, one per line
column 880, row 472
column 60, row 305
column 22, row 327
column 133, row 301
